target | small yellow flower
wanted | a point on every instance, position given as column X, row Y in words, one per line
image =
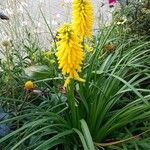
column 88, row 47
column 52, row 61
column 48, row 53
column 82, row 17
column 121, row 21
column 69, row 53
column 29, row 85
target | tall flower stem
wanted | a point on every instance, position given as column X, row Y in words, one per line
column 72, row 103
column 10, row 77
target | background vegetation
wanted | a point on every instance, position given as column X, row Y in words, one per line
column 111, row 110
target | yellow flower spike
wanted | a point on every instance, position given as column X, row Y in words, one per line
column 69, row 53
column 29, row 85
column 82, row 17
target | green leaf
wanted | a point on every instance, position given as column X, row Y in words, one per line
column 55, row 140
column 85, row 146
column 131, row 87
column 34, row 123
column 35, row 132
column 38, row 72
column 87, row 135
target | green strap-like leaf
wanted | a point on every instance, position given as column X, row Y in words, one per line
column 35, row 132
column 34, row 123
column 87, row 135
column 55, row 140
column 82, row 139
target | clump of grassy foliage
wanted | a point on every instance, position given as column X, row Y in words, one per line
column 138, row 14
column 111, row 110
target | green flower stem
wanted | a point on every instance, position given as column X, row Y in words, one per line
column 71, row 103
column 10, row 78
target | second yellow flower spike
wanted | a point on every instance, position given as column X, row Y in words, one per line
column 82, row 17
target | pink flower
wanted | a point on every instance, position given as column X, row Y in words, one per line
column 112, row 2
